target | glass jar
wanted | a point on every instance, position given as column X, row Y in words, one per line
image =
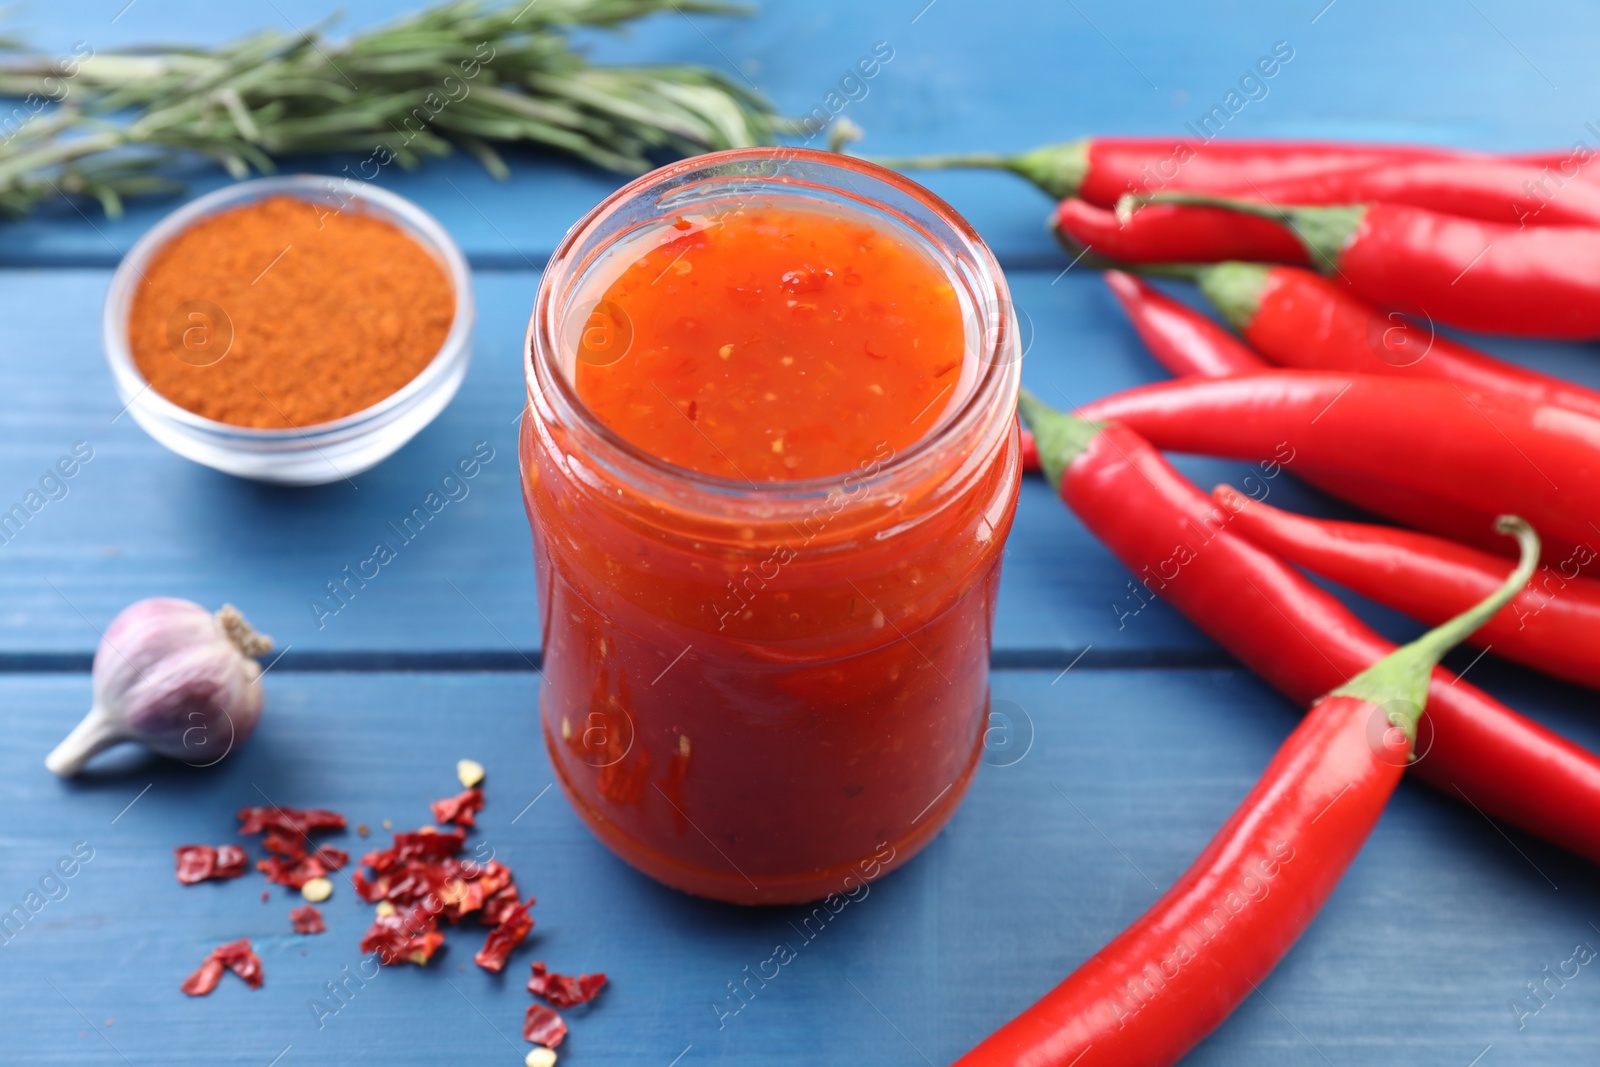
column 767, row 693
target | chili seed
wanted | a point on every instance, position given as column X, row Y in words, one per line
column 469, row 771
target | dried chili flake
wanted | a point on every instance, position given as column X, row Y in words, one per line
column 563, row 990
column 235, row 956
column 428, row 844
column 307, row 920
column 285, row 836
column 543, row 1026
column 239, row 958
column 423, row 864
column 484, row 890
column 204, row 980
column 231, row 862
column 293, row 874
column 289, row 846
column 410, row 935
column 511, row 932
column 500, row 905
column 369, row 891
column 493, row 876
column 461, row 809
column 293, row 821
column 332, row 858
column 196, row 863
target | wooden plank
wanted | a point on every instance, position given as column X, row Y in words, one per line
column 964, row 76
column 1438, row 925
column 139, row 521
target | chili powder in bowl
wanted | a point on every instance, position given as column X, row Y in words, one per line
column 295, row 330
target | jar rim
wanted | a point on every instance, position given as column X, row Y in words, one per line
column 997, row 326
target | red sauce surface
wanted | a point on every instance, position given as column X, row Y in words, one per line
column 774, row 343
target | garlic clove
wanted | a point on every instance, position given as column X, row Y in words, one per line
column 174, row 677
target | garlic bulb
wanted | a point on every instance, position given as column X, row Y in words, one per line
column 178, row 679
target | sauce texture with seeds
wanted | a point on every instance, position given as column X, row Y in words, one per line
column 773, row 343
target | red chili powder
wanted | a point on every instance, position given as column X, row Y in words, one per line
column 283, row 314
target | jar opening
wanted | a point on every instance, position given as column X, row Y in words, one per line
column 571, row 292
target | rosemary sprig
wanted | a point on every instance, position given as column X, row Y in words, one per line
column 457, row 75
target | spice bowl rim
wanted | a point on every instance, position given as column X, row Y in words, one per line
column 443, row 371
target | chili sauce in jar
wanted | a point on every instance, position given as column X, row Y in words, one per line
column 770, row 461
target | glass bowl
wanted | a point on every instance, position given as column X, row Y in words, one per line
column 306, row 455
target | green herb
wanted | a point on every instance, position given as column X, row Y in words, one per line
column 456, row 75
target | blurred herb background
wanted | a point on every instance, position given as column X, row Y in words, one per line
column 460, row 75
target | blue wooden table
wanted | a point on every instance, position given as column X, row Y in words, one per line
column 1141, row 736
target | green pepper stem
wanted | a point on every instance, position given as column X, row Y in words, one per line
column 1188, row 272
column 1058, row 169
column 1398, row 683
column 1235, row 289
column 1060, row 437
column 945, row 161
column 1323, row 230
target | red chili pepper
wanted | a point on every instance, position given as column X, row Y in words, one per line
column 1553, row 625
column 1303, row 641
column 1298, row 318
column 543, row 1026
column 1159, row 233
column 1190, row 344
column 1030, row 451
column 1542, row 281
column 1506, row 191
column 1182, row 340
column 1170, row 979
column 1420, row 510
column 1102, row 170
column 1479, row 451
column 563, row 990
